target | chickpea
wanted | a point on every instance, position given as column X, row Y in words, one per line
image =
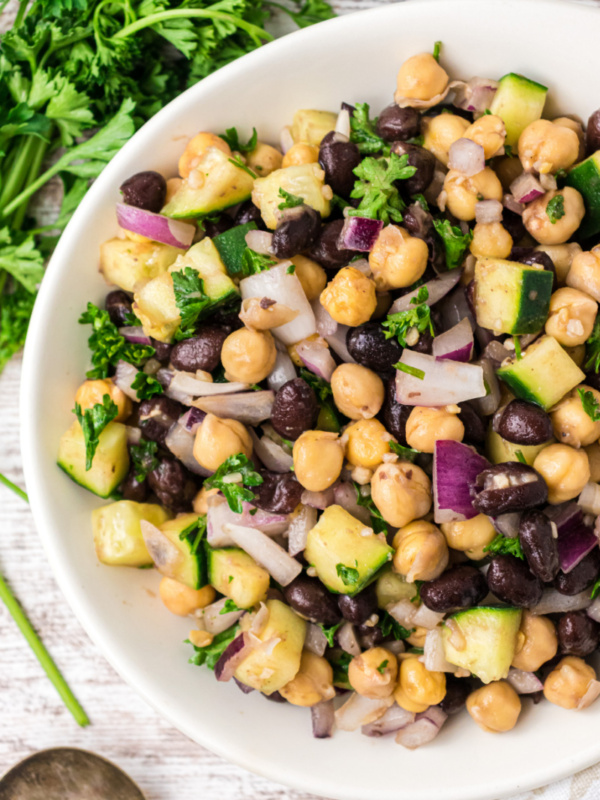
column 489, row 132
column 418, row 688
column 248, row 356
column 491, row 240
column 350, row 297
column 196, row 147
column 373, row 673
column 562, row 256
column 576, row 127
column 301, row 153
column 90, row 393
column 470, row 536
column 313, row 682
column 200, row 638
column 538, row 224
column 426, row 425
column 546, row 147
column 311, row 275
column 263, row 316
column 508, row 170
column 401, row 492
column 397, row 259
column 584, row 273
column 200, row 502
column 366, row 442
column 420, row 78
column 217, row 439
column 568, row 682
column 182, row 600
column 318, row 459
column 536, row 642
column 264, row 159
column 358, row 392
column 417, row 637
column 495, row 707
column 565, row 470
column 593, row 454
column 464, row 193
column 572, row 316
column 570, row 422
column 421, row 551
column 440, row 133
column 173, row 186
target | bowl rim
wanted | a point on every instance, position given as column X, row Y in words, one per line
column 34, row 475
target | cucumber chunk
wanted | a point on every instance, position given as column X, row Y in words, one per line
column 519, row 102
column 544, row 374
column 344, row 558
column 392, row 587
column 111, row 459
column 499, row 450
column 231, row 246
column 312, row 126
column 304, row 180
column 511, row 297
column 482, row 640
column 118, row 535
column 185, row 561
column 124, row 262
column 235, row 574
column 585, row 177
column 268, row 669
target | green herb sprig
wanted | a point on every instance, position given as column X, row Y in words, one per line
column 235, row 491
column 503, row 545
column 93, row 421
column 419, row 318
column 454, row 240
column 590, row 404
column 379, row 196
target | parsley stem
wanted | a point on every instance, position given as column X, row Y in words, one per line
column 39, row 151
column 9, row 484
column 18, row 171
column 42, row 655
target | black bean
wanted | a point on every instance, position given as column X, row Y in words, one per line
column 326, row 252
column 531, row 257
column 475, row 428
column 459, row 587
column 174, row 486
column 513, row 223
column 156, row 417
column 146, row 190
column 118, row 305
column 444, row 108
column 202, row 351
column 510, row 579
column 580, row 577
column 370, row 635
column 394, row 415
column 578, row 635
column 133, row 489
column 359, row 608
column 593, row 379
column 368, row 346
column 248, row 212
column 592, row 134
column 398, row 124
column 424, row 343
column 422, row 160
column 275, row 697
column 538, row 544
column 523, row 423
column 526, row 489
column 162, row 351
column 296, row 231
column 339, row 158
column 418, row 222
column 295, row 409
column 278, row 493
column 311, row 600
column 213, row 227
column 457, row 691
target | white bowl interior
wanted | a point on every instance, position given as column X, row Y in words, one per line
column 353, row 59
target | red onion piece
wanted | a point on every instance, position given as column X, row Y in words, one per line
column 242, row 686
column 191, row 420
column 213, row 621
column 475, row 95
column 181, row 443
column 347, row 639
column 337, row 342
column 317, row 358
column 575, row 540
column 512, row 204
column 342, row 124
column 135, row 334
column 323, row 717
column 320, row 500
column 423, row 730
column 315, row 641
column 524, row 682
column 526, row 188
column 593, row 611
column 434, row 656
column 554, row 602
column 272, row 455
column 359, row 233
column 326, row 325
column 247, row 407
column 466, row 157
column 260, row 241
column 393, row 719
column 488, row 211
column 344, row 495
column 455, row 468
column 155, row 226
column 233, row 655
column 125, row 375
column 359, row 710
column 283, row 371
column 437, row 288
column 301, row 522
column 456, row 344
column 188, row 383
column 279, row 564
column 443, row 382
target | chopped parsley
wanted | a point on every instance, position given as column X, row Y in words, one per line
column 363, row 133
column 93, row 421
column 349, row 575
column 324, row 394
column 291, row 269
column 366, row 501
column 420, row 199
column 382, row 666
column 233, row 140
column 143, row 458
column 239, row 163
column 416, row 599
column 377, row 190
column 517, row 344
column 146, row 386
column 289, row 200
column 436, row 50
column 230, row 478
column 590, row 404
column 340, row 661
column 592, row 347
column 502, row 545
column 194, row 533
column 210, row 654
column 404, row 452
column 108, row 346
column 390, row 627
column 595, row 589
column 556, row 208
column 190, row 298
column 455, row 241
column 330, row 631
column 253, row 262
column 419, row 317
column 230, row 607
column 520, row 457
column 416, row 373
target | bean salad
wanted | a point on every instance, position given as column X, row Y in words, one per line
column 344, row 398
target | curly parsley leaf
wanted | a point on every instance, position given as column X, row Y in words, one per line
column 408, row 453
column 229, row 607
column 590, row 404
column 93, row 421
column 253, row 263
column 22, row 260
column 378, row 523
column 389, row 627
column 146, row 386
column 190, row 298
column 324, row 394
column 329, row 632
column 595, row 589
column 233, row 140
column 310, row 12
column 363, row 132
column 455, row 241
column 380, row 198
column 15, row 313
column 234, row 474
column 350, row 575
column 555, row 208
column 340, row 661
column 143, row 458
column 382, row 666
column 504, row 546
column 417, row 318
column 592, row 348
column 210, row 654
column 289, row 200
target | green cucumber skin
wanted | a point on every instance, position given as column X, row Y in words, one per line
column 192, row 211
column 585, row 177
column 532, row 314
column 527, row 82
column 521, row 390
column 83, row 485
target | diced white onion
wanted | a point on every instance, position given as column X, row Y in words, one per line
column 301, row 522
column 260, row 241
column 488, row 211
column 247, row 407
column 279, row 564
column 342, row 124
column 211, row 619
column 467, row 157
column 526, row 188
column 589, row 499
column 283, row 371
column 442, row 382
column 524, row 682
column 315, row 640
column 272, row 454
column 554, row 602
column 317, row 358
column 348, row 640
column 394, row 718
column 359, row 710
column 434, row 656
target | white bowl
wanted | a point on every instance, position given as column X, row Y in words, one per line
column 354, row 58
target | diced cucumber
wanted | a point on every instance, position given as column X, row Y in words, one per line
column 235, row 574
column 231, row 246
column 190, row 567
column 124, row 262
column 205, row 259
column 311, row 126
column 117, row 533
column 585, row 177
column 482, row 640
column 215, row 184
column 499, row 450
column 519, row 102
column 269, row 668
column 304, row 180
column 511, row 297
column 543, row 375
column 345, row 560
column 111, row 459
column 392, row 587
